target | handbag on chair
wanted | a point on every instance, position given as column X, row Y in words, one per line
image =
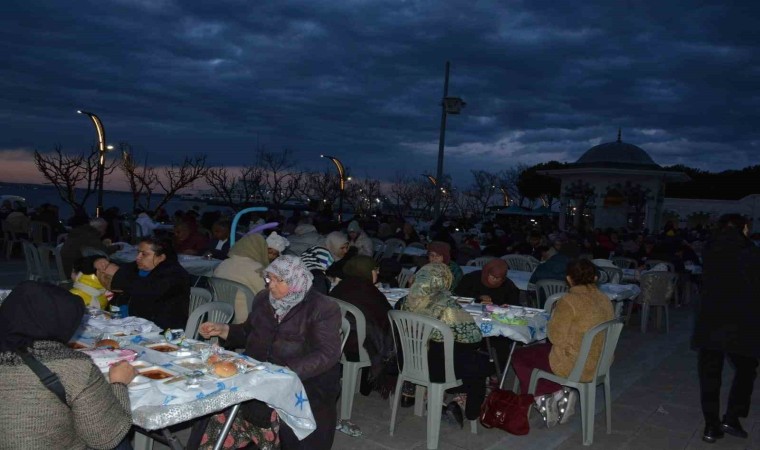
column 506, row 410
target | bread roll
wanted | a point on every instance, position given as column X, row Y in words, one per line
column 107, row 343
column 213, row 359
column 225, row 369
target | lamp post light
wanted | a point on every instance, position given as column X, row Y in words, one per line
column 505, row 194
column 431, row 179
column 341, row 182
column 449, row 105
column 102, row 147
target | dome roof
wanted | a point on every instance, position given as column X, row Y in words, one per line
column 617, row 154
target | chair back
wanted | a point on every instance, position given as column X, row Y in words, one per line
column 480, row 261
column 405, row 277
column 651, row 263
column 50, row 272
column 33, row 263
column 520, row 262
column 418, row 245
column 551, row 300
column 547, row 288
column 379, row 247
column 62, row 275
column 345, row 331
column 414, row 332
column 610, row 274
column 210, row 312
column 41, row 232
column 623, row 262
column 347, row 309
column 657, row 288
column 611, row 333
column 198, row 297
column 393, row 246
column 227, row 291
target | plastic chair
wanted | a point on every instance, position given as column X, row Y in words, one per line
column 418, row 245
column 657, row 289
column 405, row 277
column 551, row 300
column 519, row 262
column 379, row 246
column 40, row 232
column 227, row 291
column 198, row 297
column 61, row 274
column 393, row 246
column 480, row 261
column 610, row 274
column 10, row 238
column 351, row 369
column 33, row 263
column 414, row 332
column 651, row 263
column 345, row 330
column 623, row 262
column 210, row 312
column 547, row 288
column 587, row 390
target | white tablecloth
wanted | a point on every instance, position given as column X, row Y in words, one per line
column 160, row 405
column 195, row 265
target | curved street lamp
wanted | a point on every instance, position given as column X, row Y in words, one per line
column 505, row 194
column 431, row 179
column 341, row 182
column 101, row 131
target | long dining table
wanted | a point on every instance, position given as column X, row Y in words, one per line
column 193, row 390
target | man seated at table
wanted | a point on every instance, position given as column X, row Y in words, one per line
column 155, row 287
column 188, row 241
column 490, row 285
column 220, row 244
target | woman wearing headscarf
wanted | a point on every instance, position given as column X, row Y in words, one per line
column 155, row 287
column 490, row 285
column 440, row 252
column 292, row 325
column 246, row 263
column 359, row 239
column 38, row 320
column 430, row 296
column 337, row 243
column 358, row 288
column 275, row 245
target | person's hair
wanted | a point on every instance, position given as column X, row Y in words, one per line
column 581, row 271
column 732, row 221
column 161, row 247
column 223, row 222
column 85, row 264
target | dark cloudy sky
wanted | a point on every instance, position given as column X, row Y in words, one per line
column 362, row 80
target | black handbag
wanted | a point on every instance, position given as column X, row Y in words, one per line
column 48, row 378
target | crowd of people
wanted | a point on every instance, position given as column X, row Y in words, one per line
column 294, row 265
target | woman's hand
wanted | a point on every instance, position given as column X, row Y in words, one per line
column 485, row 299
column 122, row 372
column 211, row 329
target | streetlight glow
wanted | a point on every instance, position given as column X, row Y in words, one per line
column 341, row 182
column 101, row 132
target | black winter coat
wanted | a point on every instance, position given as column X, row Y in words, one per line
column 729, row 313
column 162, row 297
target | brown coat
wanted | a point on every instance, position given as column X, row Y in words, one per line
column 581, row 309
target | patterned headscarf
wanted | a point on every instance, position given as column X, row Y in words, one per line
column 252, row 246
column 298, row 278
column 318, row 258
column 335, row 240
column 430, row 296
column 496, row 268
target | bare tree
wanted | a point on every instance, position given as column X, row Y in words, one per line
column 236, row 186
column 320, row 186
column 364, row 195
column 140, row 179
column 70, row 172
column 507, row 179
column 482, row 189
column 282, row 180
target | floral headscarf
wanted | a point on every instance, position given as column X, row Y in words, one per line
column 430, row 296
column 298, row 278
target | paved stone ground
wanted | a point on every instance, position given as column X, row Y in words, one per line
column 655, row 406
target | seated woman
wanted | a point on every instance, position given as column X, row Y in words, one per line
column 440, row 252
column 291, row 325
column 581, row 309
column 155, row 287
column 430, row 296
column 358, row 288
column 490, row 285
column 188, row 241
column 337, row 243
column 38, row 320
column 246, row 263
column 275, row 245
column 317, row 260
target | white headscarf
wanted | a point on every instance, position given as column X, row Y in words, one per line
column 277, row 242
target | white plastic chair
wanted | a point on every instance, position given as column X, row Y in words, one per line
column 405, row 277
column 651, row 263
column 198, row 297
column 520, row 262
column 227, row 291
column 393, row 246
column 33, row 262
column 551, row 300
column 657, row 290
column 62, row 275
column 418, row 245
column 610, row 275
column 547, row 288
column 480, row 261
column 209, row 312
column 414, row 332
column 379, row 246
column 351, row 369
column 587, row 390
column 623, row 262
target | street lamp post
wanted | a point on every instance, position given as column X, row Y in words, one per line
column 101, row 131
column 341, row 182
column 505, row 194
column 449, row 105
